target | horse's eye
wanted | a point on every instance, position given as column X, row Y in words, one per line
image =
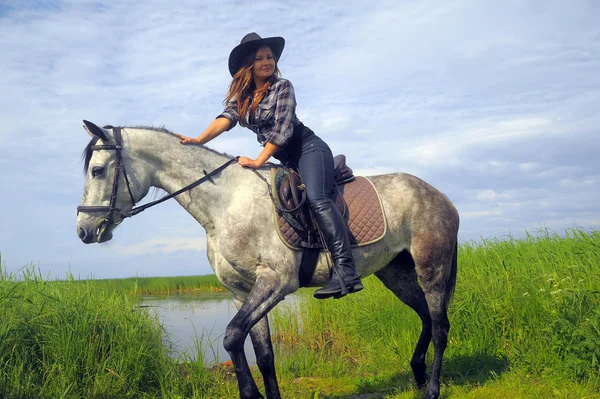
column 97, row 171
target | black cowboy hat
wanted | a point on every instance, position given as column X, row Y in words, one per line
column 252, row 42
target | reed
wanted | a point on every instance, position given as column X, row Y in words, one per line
column 525, row 308
column 160, row 285
column 70, row 339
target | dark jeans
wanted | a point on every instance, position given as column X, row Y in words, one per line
column 313, row 158
column 316, row 168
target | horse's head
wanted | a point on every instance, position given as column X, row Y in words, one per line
column 108, row 194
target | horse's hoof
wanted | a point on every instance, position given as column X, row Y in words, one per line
column 432, row 393
column 421, row 383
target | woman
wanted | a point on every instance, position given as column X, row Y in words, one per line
column 265, row 103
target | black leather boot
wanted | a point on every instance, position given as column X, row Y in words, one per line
column 344, row 278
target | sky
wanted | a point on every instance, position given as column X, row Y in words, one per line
column 494, row 103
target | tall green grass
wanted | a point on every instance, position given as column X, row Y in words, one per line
column 73, row 340
column 534, row 302
column 529, row 306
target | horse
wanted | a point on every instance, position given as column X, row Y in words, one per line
column 416, row 259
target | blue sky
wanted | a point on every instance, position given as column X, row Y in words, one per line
column 494, row 103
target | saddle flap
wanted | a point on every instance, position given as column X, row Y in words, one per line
column 290, row 190
column 285, row 193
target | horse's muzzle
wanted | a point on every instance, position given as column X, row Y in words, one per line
column 85, row 236
column 95, row 233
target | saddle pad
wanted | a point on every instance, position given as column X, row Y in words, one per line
column 363, row 214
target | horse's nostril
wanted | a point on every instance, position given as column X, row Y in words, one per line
column 82, row 233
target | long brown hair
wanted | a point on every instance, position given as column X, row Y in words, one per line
column 242, row 88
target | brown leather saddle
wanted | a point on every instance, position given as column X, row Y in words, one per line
column 356, row 200
column 293, row 207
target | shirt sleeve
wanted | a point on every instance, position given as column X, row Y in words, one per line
column 285, row 111
column 231, row 113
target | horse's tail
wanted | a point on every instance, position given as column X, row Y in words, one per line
column 451, row 283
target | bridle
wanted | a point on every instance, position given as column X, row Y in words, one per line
column 120, row 167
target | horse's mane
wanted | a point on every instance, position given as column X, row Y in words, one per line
column 86, row 155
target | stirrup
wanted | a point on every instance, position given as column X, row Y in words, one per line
column 345, row 288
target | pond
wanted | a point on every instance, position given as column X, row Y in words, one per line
column 190, row 319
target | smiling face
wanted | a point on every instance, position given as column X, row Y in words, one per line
column 264, row 64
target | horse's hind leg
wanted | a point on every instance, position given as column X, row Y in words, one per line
column 435, row 264
column 399, row 276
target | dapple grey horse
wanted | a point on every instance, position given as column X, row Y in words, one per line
column 416, row 259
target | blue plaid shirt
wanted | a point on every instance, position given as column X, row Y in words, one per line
column 275, row 117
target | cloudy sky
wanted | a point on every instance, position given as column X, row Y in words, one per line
column 494, row 103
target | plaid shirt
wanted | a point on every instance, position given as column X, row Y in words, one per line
column 275, row 117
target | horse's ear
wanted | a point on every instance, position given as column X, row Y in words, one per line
column 94, row 130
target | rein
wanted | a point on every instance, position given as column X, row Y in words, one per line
column 207, row 177
column 120, row 166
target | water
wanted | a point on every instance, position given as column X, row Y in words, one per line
column 185, row 317
column 204, row 316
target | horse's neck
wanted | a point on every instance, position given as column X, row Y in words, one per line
column 171, row 166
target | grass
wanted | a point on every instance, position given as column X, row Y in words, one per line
column 161, row 285
column 72, row 340
column 525, row 324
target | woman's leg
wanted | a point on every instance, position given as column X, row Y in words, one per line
column 316, row 168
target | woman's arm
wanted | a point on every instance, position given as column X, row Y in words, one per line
column 216, row 127
column 263, row 157
column 225, row 121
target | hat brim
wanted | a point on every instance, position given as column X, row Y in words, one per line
column 236, row 58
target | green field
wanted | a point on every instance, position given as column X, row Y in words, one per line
column 525, row 324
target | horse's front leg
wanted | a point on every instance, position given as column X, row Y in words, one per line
column 269, row 289
column 265, row 358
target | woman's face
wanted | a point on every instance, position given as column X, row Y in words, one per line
column 264, row 63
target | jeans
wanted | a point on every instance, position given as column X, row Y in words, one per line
column 316, row 168
column 313, row 158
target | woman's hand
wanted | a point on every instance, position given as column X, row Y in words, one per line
column 187, row 140
column 248, row 163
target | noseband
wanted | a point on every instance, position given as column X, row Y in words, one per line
column 120, row 167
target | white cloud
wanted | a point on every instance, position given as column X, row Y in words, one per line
column 372, row 171
column 162, row 245
column 479, row 214
column 527, row 166
column 490, row 195
column 454, row 145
